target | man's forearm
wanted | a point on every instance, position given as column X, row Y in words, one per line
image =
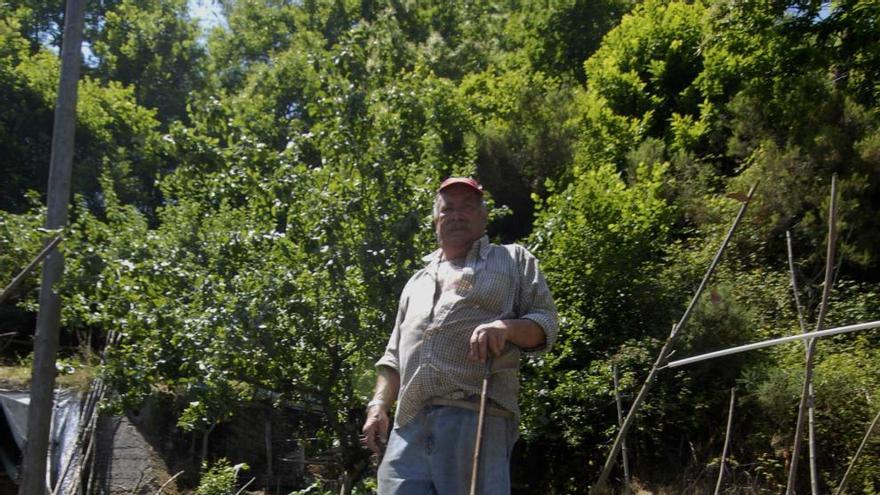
column 525, row 333
column 387, row 386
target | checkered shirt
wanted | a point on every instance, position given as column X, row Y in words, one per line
column 430, row 341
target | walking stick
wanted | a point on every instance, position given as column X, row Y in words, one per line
column 479, row 440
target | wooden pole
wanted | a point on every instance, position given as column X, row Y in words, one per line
column 620, row 423
column 811, row 416
column 811, row 345
column 49, row 316
column 726, row 441
column 665, row 351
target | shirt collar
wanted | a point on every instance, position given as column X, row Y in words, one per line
column 481, row 246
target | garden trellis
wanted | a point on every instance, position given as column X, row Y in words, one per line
column 666, row 350
column 809, row 338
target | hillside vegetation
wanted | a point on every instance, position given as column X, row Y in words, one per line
column 250, row 200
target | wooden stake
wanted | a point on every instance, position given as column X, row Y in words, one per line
column 620, row 423
column 811, row 345
column 852, row 463
column 664, row 352
column 48, row 318
column 171, row 479
column 24, row 273
column 811, row 417
column 726, row 441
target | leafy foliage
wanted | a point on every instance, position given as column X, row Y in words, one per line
column 219, row 478
column 248, row 205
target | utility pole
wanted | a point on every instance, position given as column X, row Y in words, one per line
column 34, row 481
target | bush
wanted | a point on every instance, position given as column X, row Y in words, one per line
column 219, row 478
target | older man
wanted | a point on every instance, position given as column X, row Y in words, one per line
column 473, row 300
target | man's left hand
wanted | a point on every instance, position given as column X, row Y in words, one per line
column 488, row 337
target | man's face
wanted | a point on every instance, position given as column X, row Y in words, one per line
column 461, row 217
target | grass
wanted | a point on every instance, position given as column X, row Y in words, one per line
column 18, row 376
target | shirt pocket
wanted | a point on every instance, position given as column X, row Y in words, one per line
column 494, row 292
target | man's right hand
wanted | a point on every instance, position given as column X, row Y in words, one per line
column 376, row 428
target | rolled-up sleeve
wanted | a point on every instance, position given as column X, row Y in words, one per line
column 535, row 301
column 391, row 357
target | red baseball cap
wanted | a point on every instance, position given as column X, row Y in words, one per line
column 472, row 183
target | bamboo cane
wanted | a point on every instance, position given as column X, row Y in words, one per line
column 239, row 492
column 620, row 423
column 852, row 463
column 811, row 417
column 664, row 352
column 475, row 465
column 26, row 270
column 811, row 346
column 726, row 441
column 168, row 482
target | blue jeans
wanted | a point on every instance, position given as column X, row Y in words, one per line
column 433, row 454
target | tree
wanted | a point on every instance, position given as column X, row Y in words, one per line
column 153, row 47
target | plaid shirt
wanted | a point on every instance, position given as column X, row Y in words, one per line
column 430, row 341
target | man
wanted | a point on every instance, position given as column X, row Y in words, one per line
column 473, row 304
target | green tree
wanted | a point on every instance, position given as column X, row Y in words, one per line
column 153, row 47
column 560, row 36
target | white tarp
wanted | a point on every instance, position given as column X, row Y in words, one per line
column 63, row 454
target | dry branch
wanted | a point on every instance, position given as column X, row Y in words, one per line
column 664, row 352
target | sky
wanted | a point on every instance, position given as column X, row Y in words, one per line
column 207, row 12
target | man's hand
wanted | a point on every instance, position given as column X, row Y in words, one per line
column 488, row 337
column 376, row 429
column 491, row 337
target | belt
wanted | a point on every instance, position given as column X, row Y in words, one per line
column 473, row 406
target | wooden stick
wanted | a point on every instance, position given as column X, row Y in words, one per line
column 620, row 423
column 794, row 285
column 726, row 441
column 852, row 463
column 811, row 345
column 24, row 272
column 475, row 465
column 811, row 416
column 245, row 486
column 664, row 352
column 159, row 491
